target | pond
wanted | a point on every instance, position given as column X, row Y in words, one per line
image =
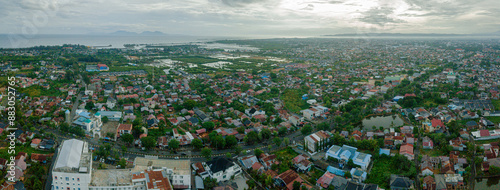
column 382, row 121
column 488, row 183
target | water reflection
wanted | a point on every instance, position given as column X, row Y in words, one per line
column 382, row 121
column 488, row 183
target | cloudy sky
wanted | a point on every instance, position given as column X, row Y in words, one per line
column 249, row 17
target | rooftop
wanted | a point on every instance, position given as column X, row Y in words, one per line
column 73, row 157
column 179, row 167
column 114, row 177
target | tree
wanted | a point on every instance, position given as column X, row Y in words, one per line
column 286, row 141
column 306, row 129
column 282, row 130
column 209, row 183
column 122, row 163
column 105, row 119
column 228, row 155
column 148, row 142
column 189, row 104
column 251, row 137
column 266, row 133
column 197, row 144
column 209, row 125
column 296, row 185
column 207, row 153
column 231, row 141
column 258, row 152
column 347, row 175
column 277, row 141
column 237, row 150
column 127, row 138
column 173, row 144
column 90, row 105
column 218, row 142
column 124, row 149
column 494, row 170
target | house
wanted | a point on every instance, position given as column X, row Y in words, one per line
column 296, row 120
column 427, row 143
column 267, row 160
column 317, row 141
column 35, row 142
column 248, row 161
column 400, row 183
column 111, row 102
column 358, row 174
column 40, row 158
column 221, row 169
column 345, row 153
column 302, row 163
column 325, row 180
column 429, row 183
column 286, row 179
column 458, row 144
column 313, row 112
column 436, row 124
column 339, row 182
column 123, row 128
column 407, row 150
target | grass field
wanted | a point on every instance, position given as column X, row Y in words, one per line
column 496, row 103
column 494, row 119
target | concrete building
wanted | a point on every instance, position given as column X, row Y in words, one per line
column 73, row 166
column 221, row 169
column 317, row 141
column 177, row 171
column 344, row 153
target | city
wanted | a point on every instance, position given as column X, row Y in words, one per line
column 284, row 114
column 250, row 95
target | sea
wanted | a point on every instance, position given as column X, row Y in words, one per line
column 107, row 41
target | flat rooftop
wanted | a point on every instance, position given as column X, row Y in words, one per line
column 113, row 177
column 179, row 167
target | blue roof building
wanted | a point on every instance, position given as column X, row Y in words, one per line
column 348, row 152
column 384, row 151
column 335, row 171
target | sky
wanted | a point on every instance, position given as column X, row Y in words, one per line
column 285, row 18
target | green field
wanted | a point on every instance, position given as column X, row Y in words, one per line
column 494, row 119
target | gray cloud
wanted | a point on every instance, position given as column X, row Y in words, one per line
column 239, row 3
column 251, row 17
column 379, row 16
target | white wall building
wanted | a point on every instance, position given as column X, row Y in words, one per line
column 73, row 166
column 221, row 169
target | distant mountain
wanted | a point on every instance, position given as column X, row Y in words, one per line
column 413, row 34
column 396, row 34
column 123, row 33
column 155, row 33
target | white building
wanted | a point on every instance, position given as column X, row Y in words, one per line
column 316, row 141
column 73, row 166
column 220, row 169
column 346, row 152
column 315, row 111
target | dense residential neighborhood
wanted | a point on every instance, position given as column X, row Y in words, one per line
column 267, row 114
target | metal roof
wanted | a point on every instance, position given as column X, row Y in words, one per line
column 70, row 154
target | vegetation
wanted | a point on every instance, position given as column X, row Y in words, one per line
column 384, row 166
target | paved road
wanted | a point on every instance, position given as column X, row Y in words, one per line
column 417, row 164
column 472, row 177
column 76, row 103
